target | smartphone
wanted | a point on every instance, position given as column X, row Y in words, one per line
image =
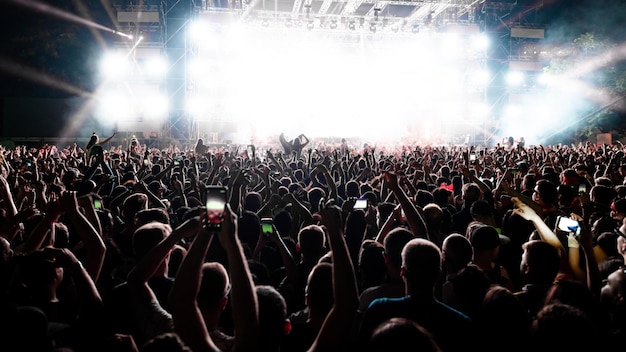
column 267, row 227
column 514, row 171
column 97, row 204
column 216, row 199
column 176, row 162
column 569, row 225
column 582, row 188
column 360, row 204
column 472, row 157
column 146, row 162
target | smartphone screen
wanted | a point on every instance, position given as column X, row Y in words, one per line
column 216, row 198
column 582, row 188
column 360, row 204
column 472, row 157
column 267, row 226
column 568, row 225
column 97, row 204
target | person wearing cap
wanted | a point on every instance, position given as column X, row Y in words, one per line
column 485, row 242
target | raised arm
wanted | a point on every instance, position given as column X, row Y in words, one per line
column 243, row 296
column 413, row 217
column 333, row 336
column 546, row 234
column 188, row 321
column 88, row 234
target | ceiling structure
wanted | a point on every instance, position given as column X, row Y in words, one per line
column 335, row 13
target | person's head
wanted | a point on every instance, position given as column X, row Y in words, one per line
column 372, row 269
column 482, row 211
column 602, row 195
column 214, row 288
column 546, row 194
column 400, row 335
column 433, row 216
column 540, row 262
column 147, row 237
column 314, row 195
column 132, row 205
column 564, row 328
column 423, row 198
column 394, row 242
column 249, row 228
column 319, row 290
column 470, row 193
column 613, row 293
column 442, row 196
column 353, row 189
column 169, row 342
column 311, row 242
column 146, row 216
column 273, row 322
column 456, row 252
column 421, row 266
column 253, row 201
column 485, row 239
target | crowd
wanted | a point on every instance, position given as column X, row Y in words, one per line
column 320, row 247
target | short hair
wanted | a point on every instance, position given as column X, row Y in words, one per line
column 401, row 334
column 272, row 317
column 441, row 195
column 153, row 214
column 457, row 250
column 253, row 201
column 311, row 239
column 433, row 214
column 394, row 242
column 481, row 208
column 554, row 321
column 471, row 192
column 319, row 288
column 421, row 260
column 214, row 286
column 133, row 204
column 543, row 260
column 548, row 191
column 165, row 342
column 147, row 237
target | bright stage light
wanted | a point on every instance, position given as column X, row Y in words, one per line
column 155, row 105
column 481, row 42
column 545, row 79
column 114, row 106
column 515, row 78
column 114, row 65
column 156, row 67
column 198, row 31
column 311, row 82
column 481, row 78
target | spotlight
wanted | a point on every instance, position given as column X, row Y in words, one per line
column 333, row 24
column 289, row 23
column 373, row 27
column 265, row 23
column 351, row 25
column 310, row 25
